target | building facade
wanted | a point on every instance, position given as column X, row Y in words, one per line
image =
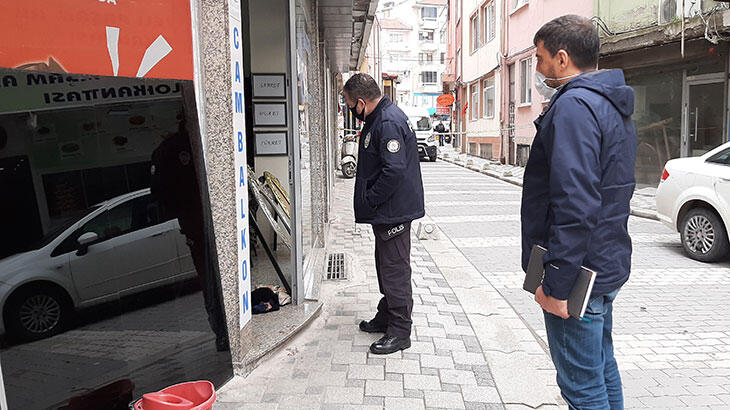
column 677, row 63
column 415, row 43
column 127, row 145
column 480, row 77
column 521, row 104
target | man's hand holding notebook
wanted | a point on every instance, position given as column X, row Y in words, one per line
column 579, row 296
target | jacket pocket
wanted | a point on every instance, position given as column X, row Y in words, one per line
column 363, row 209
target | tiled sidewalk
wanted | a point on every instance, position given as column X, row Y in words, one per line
column 328, row 365
column 642, row 203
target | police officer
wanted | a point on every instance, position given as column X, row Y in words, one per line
column 388, row 195
column 175, row 184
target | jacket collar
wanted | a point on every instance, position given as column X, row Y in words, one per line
column 373, row 116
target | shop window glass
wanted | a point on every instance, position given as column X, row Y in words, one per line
column 658, row 120
column 125, row 167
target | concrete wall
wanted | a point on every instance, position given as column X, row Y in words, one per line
column 624, row 15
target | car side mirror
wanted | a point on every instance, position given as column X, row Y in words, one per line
column 85, row 241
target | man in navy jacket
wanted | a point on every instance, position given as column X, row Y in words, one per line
column 578, row 185
column 388, row 195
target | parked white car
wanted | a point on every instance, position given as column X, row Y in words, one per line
column 120, row 247
column 693, row 198
column 420, row 121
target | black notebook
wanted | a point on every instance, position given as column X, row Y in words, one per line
column 579, row 295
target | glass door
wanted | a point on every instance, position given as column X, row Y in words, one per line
column 704, row 115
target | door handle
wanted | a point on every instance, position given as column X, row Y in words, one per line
column 156, row 235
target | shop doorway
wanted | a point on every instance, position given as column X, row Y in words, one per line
column 705, row 107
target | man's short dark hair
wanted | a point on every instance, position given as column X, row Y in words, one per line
column 576, row 35
column 363, row 86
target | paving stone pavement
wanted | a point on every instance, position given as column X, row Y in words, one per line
column 328, row 365
column 643, row 203
column 672, row 335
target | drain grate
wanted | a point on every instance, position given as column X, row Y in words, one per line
column 336, row 266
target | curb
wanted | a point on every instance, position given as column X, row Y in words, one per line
column 641, row 213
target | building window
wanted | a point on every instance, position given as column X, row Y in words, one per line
column 397, row 37
column 474, row 103
column 518, row 3
column 428, row 77
column 526, row 81
column 444, row 36
column 474, row 32
column 443, row 58
column 488, row 97
column 421, row 58
column 428, row 13
column 489, row 21
column 426, row 35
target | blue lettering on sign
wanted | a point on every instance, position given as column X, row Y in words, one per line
column 243, row 239
column 245, row 302
column 242, row 182
column 244, row 270
column 235, row 37
column 238, row 72
column 243, row 213
column 238, row 97
column 240, row 141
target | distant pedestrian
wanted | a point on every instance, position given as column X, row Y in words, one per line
column 578, row 185
column 389, row 196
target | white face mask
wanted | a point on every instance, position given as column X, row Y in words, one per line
column 545, row 90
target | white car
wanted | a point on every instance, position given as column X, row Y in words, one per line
column 420, row 121
column 119, row 247
column 693, row 198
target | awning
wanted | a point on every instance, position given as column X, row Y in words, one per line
column 345, row 27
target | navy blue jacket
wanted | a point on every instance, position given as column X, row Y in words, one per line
column 388, row 185
column 579, row 181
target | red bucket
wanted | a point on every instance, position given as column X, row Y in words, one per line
column 198, row 395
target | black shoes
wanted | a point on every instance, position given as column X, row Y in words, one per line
column 390, row 344
column 371, row 327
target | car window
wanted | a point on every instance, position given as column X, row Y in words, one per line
column 421, row 123
column 129, row 216
column 722, row 157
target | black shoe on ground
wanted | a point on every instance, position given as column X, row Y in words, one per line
column 370, row 327
column 390, row 344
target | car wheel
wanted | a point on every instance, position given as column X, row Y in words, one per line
column 432, row 158
column 37, row 312
column 703, row 235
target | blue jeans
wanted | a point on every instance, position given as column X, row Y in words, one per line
column 582, row 352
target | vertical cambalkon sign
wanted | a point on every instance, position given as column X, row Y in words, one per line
column 239, row 146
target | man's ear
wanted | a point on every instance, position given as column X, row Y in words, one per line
column 563, row 58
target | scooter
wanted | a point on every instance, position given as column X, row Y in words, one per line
column 348, row 155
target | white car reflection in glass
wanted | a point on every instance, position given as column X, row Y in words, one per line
column 120, row 247
column 693, row 198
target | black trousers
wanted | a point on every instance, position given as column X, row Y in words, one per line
column 393, row 265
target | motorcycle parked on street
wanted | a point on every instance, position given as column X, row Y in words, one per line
column 348, row 155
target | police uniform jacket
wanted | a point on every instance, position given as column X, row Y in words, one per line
column 388, row 185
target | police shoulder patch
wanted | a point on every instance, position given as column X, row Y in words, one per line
column 393, row 146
